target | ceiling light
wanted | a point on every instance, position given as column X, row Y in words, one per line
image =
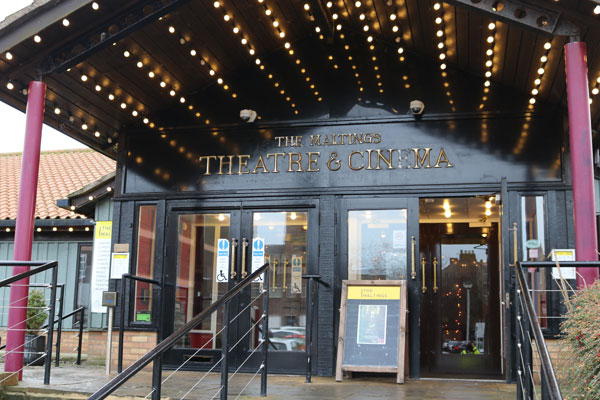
column 172, row 92
column 57, row 111
column 216, row 4
column 540, row 71
column 597, row 10
column 134, row 113
column 171, row 29
column 8, row 55
column 437, row 6
column 84, row 126
column 97, row 134
column 547, row 45
column 95, row 6
column 65, row 22
column 123, row 106
column 111, row 97
column 488, row 212
column 84, row 78
column 490, row 39
column 447, row 213
column 163, row 84
column 98, row 88
column 37, row 39
column 488, row 204
column 492, row 26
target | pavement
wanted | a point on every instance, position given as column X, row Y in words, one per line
column 78, row 382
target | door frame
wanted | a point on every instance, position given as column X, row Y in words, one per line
column 240, row 226
column 391, row 202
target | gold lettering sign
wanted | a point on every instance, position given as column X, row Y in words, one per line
column 311, row 161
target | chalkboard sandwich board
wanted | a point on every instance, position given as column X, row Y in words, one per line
column 372, row 328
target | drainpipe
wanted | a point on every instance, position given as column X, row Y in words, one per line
column 15, row 337
column 582, row 162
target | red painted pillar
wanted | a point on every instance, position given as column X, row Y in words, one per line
column 15, row 337
column 582, row 162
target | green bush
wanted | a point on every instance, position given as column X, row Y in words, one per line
column 581, row 340
column 36, row 312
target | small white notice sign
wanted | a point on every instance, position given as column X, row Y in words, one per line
column 258, row 256
column 119, row 265
column 100, row 264
column 563, row 255
column 296, row 274
column 221, row 274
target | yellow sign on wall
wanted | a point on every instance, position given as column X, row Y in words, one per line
column 103, row 230
column 374, row 292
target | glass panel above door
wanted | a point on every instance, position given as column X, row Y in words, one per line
column 285, row 236
column 377, row 244
column 198, row 236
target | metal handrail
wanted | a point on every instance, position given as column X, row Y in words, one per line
column 41, row 266
column 173, row 338
column 540, row 343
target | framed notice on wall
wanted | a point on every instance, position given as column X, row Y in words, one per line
column 372, row 328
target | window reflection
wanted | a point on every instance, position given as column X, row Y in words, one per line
column 377, row 244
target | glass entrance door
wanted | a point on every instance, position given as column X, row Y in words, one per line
column 460, row 322
column 214, row 250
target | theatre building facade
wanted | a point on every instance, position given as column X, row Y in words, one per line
column 334, row 165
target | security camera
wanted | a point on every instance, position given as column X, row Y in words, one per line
column 417, row 107
column 248, row 116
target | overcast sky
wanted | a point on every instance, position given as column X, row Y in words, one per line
column 12, row 132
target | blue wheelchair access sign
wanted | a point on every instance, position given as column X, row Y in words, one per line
column 222, row 274
column 258, row 256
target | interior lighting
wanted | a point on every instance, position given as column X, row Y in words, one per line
column 446, row 205
column 488, row 204
column 293, row 216
column 447, row 213
column 488, row 212
column 221, row 217
column 163, row 84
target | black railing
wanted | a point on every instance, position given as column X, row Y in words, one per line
column 155, row 355
column 80, row 310
column 310, row 304
column 124, row 279
column 528, row 330
column 40, row 266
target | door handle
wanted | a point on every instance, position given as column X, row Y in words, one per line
column 435, row 286
column 413, row 273
column 285, row 264
column 423, row 287
column 234, row 244
column 275, row 262
column 244, row 249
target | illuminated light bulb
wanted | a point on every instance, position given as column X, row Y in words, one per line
column 543, row 59
column 595, row 91
column 8, row 55
column 488, row 212
column 486, row 83
column 366, row 28
column 220, row 81
column 221, row 217
column 437, row 6
column 193, row 52
column 95, row 6
column 306, row 6
column 335, row 16
column 440, row 45
column 540, row 71
column 488, row 74
column 329, row 4
column 338, row 27
column 442, row 66
column 370, row 39
column 537, row 81
column 111, row 97
column 97, row 134
column 244, row 41
column 57, row 111
column 151, row 75
column 488, row 63
column 438, row 20
column 447, row 213
column 172, row 92
column 37, row 39
column 226, row 17
column 317, row 29
column 492, row 26
column 126, row 54
column 490, row 39
column 84, row 126
column 171, row 29
column 547, row 45
column 532, row 100
column 357, row 4
column 440, row 33
column 293, row 216
column 98, row 88
column 442, row 56
column 211, row 72
column 217, row 4
column 597, row 10
column 534, row 92
column 282, row 34
column 146, row 120
column 287, row 45
column 123, row 106
column 395, row 28
column 251, row 52
column 40, row 229
column 268, row 11
column 66, row 22
column 489, row 52
column 140, row 64
column 393, row 17
column 362, row 17
column 400, row 50
column 236, row 30
column 84, row 78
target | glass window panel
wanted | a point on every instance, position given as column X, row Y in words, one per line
column 285, row 236
column 377, row 244
column 533, row 249
column 146, row 237
column 197, row 288
column 84, row 276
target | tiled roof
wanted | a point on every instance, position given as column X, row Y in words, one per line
column 61, row 172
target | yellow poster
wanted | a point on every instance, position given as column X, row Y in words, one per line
column 373, row 293
column 103, row 230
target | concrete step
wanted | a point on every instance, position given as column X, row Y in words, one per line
column 23, row 393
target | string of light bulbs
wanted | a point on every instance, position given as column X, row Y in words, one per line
column 489, row 63
column 442, row 45
column 366, row 28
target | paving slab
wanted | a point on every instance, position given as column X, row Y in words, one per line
column 80, row 381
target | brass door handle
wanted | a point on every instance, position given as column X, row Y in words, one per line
column 244, row 249
column 234, row 244
column 423, row 287
column 413, row 273
column 435, row 286
column 273, row 287
column 285, row 264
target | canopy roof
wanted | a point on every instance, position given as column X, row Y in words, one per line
column 113, row 66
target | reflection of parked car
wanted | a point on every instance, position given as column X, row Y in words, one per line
column 288, row 334
column 454, row 346
column 281, row 344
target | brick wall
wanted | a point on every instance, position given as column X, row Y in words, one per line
column 93, row 346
